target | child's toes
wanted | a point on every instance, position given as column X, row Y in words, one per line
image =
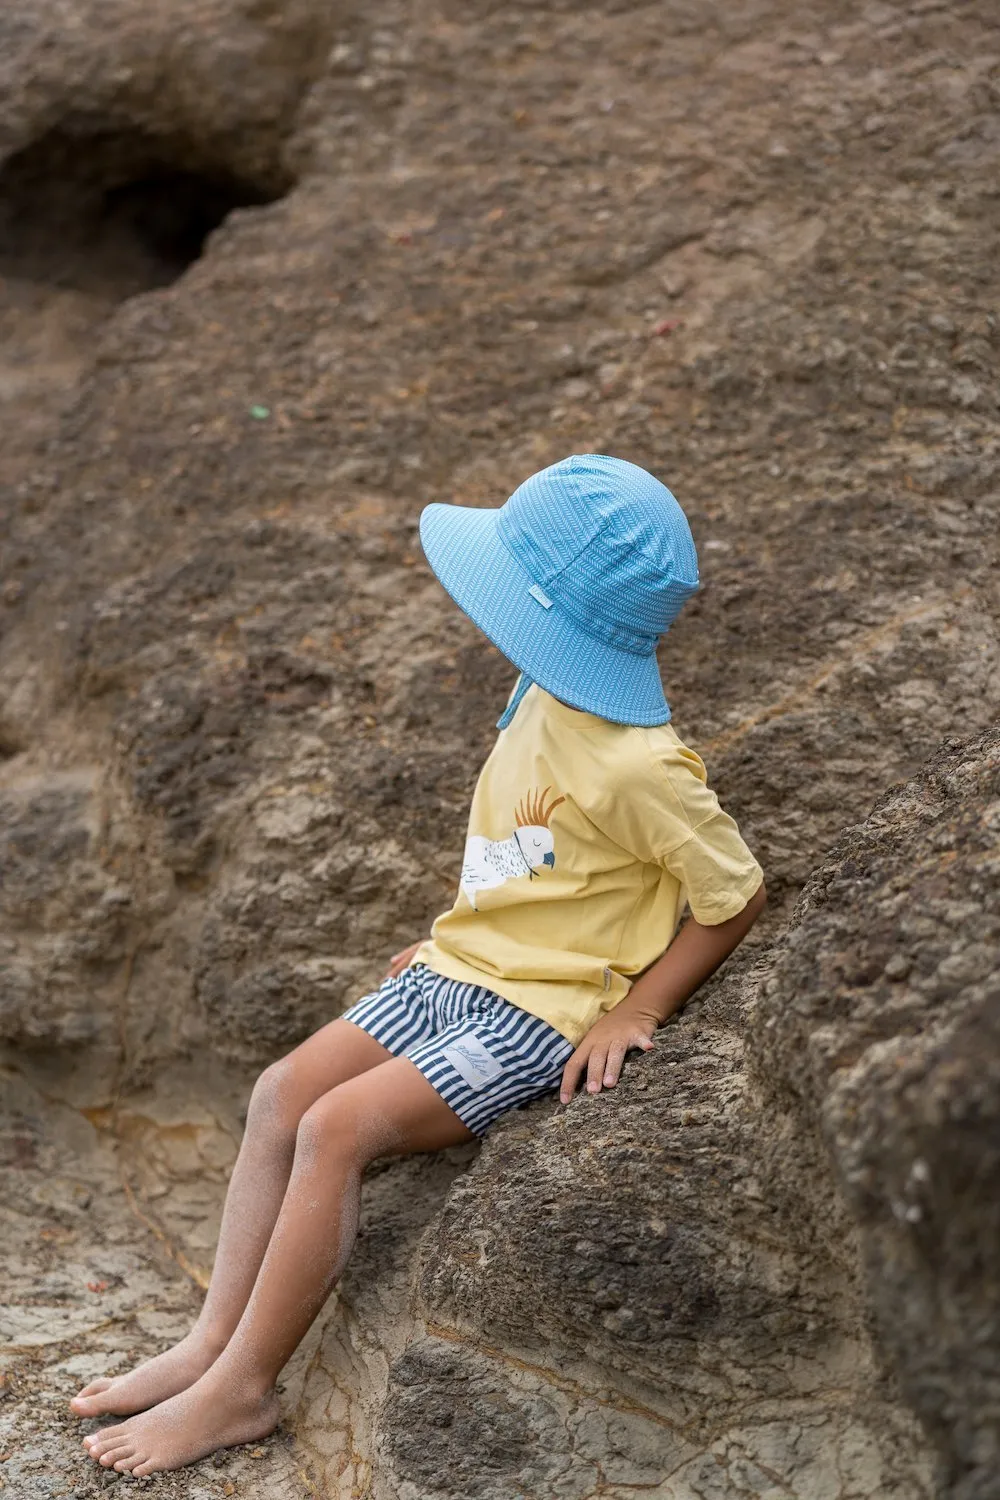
column 81, row 1400
column 120, row 1450
column 99, row 1442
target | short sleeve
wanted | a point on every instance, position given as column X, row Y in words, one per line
column 717, row 872
column 666, row 814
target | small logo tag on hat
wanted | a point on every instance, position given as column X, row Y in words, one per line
column 541, row 596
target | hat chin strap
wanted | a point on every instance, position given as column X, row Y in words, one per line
column 523, row 684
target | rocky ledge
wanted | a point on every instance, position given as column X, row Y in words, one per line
column 273, row 277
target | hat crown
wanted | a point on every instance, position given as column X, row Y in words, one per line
column 606, row 542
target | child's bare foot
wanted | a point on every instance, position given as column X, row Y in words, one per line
column 216, row 1412
column 151, row 1383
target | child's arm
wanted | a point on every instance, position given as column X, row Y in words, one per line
column 695, row 953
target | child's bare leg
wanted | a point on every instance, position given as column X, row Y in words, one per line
column 282, row 1095
column 390, row 1110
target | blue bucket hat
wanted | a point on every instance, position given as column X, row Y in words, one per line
column 575, row 579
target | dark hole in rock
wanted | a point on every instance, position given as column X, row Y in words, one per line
column 112, row 213
column 90, row 216
column 10, row 745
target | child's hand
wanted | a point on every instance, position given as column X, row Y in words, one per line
column 400, row 961
column 603, row 1050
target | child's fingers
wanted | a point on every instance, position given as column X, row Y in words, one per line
column 613, row 1066
column 399, row 961
column 571, row 1075
column 602, row 1062
column 595, row 1069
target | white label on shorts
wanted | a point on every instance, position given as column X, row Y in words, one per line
column 539, row 593
column 472, row 1061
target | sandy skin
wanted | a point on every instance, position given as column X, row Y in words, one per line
column 257, row 1188
column 315, row 1121
column 155, row 1381
column 216, row 1412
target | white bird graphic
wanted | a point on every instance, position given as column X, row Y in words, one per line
column 488, row 863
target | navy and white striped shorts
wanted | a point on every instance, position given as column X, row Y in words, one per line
column 483, row 1055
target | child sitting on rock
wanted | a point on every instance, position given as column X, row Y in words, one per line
column 591, row 825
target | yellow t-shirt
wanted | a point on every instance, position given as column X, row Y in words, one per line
column 585, row 840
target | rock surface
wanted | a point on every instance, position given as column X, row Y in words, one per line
column 751, row 247
column 816, row 1146
column 882, row 1037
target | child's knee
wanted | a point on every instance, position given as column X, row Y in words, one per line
column 275, row 1104
column 332, row 1126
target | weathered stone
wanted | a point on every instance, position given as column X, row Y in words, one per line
column 751, row 247
column 903, row 1082
column 66, row 913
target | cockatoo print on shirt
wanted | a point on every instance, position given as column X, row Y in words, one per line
column 488, row 863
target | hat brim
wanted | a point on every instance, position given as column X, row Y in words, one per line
column 464, row 548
